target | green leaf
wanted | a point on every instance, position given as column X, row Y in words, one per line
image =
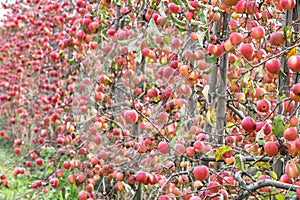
column 177, row 21
column 266, row 197
column 151, row 42
column 203, row 17
column 280, row 197
column 209, row 70
column 131, row 43
column 180, row 28
column 153, row 30
column 273, row 175
column 47, row 152
column 236, row 64
column 201, row 36
column 258, row 174
column 187, row 5
column 195, row 22
column 298, row 167
column 278, row 125
column 239, row 162
column 172, row 144
column 210, row 59
column 221, row 151
column 182, row 110
column 287, row 31
column 139, row 56
column 260, row 136
column 162, row 9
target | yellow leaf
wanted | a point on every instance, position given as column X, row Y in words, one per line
column 205, row 91
column 228, row 126
column 262, row 164
column 210, row 116
column 221, row 151
column 292, row 52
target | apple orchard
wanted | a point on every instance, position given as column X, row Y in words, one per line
column 145, row 99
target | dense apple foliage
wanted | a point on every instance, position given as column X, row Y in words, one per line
column 143, row 99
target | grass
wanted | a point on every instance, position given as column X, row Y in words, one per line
column 16, row 185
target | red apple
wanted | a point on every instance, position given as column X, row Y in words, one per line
column 258, row 32
column 294, row 96
column 229, row 3
column 93, row 45
column 186, row 90
column 28, row 163
column 89, row 187
column 296, row 89
column 174, row 64
column 273, row 66
column 294, row 63
column 153, row 179
column 298, row 193
column 142, row 177
column 198, row 146
column 179, row 150
column 248, row 124
column 267, row 127
column 247, row 50
column 39, row 161
column 213, row 186
column 277, row 38
column 71, row 178
column 163, row 147
column 131, row 116
column 67, row 165
column 271, row 148
column 288, row 105
column 190, row 151
column 294, row 121
column 201, row 172
column 291, row 134
column 252, row 7
column 93, row 26
column 174, row 8
column 287, row 4
column 17, row 150
column 119, row 186
column 54, row 182
column 263, row 105
column 80, row 35
column 164, row 197
column 240, row 7
column 291, row 170
column 152, row 93
column 82, row 195
column 261, row 54
column 286, row 179
column 81, row 178
column 59, row 172
column 236, row 38
column 54, row 56
column 176, row 43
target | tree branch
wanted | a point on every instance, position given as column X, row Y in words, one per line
column 249, row 188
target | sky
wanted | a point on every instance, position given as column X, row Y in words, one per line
column 2, row 11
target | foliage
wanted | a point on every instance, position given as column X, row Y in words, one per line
column 143, row 99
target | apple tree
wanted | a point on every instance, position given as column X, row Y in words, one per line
column 143, row 99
